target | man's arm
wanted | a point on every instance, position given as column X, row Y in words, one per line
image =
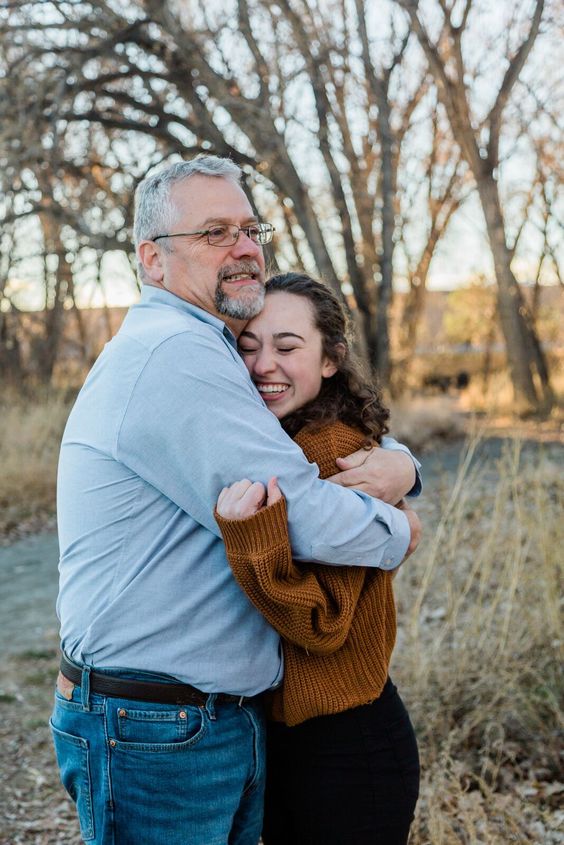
column 195, row 423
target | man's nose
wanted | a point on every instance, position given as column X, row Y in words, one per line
column 244, row 246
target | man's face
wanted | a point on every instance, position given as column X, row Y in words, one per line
column 227, row 281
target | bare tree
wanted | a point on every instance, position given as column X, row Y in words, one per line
column 313, row 99
column 445, row 183
column 539, row 216
column 480, row 145
column 277, row 87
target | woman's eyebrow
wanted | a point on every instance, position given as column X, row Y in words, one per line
column 277, row 336
column 280, row 335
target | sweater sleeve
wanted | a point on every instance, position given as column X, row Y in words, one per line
column 310, row 605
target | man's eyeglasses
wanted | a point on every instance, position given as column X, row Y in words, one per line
column 226, row 234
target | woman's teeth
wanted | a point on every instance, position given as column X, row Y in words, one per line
column 272, row 388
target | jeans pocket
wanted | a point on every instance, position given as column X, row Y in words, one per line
column 74, row 765
column 165, row 729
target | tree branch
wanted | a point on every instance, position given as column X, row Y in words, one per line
column 512, row 73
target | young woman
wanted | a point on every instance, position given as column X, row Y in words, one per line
column 342, row 756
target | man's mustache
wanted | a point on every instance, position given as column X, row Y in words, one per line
column 249, row 268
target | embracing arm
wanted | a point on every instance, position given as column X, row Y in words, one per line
column 311, row 606
column 216, row 429
column 388, row 474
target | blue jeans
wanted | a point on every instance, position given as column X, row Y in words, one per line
column 150, row 774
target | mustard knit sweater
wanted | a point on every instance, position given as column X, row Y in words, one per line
column 338, row 623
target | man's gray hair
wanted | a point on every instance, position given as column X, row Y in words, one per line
column 154, row 209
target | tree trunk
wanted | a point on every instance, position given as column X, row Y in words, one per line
column 53, row 327
column 525, row 358
column 411, row 319
column 382, row 360
column 286, row 179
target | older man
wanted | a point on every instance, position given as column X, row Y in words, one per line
column 157, row 720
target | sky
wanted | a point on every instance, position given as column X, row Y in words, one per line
column 463, row 253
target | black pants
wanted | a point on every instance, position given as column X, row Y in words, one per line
column 347, row 779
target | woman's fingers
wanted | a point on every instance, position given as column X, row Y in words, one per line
column 273, row 492
column 242, row 499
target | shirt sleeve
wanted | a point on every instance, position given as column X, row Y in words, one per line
column 392, row 444
column 312, row 606
column 195, row 423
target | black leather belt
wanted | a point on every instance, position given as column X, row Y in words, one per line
column 159, row 693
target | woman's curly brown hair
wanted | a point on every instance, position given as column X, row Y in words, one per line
column 348, row 395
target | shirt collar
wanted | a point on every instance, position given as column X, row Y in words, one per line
column 150, row 293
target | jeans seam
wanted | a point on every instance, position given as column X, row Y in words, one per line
column 108, row 762
column 89, row 798
column 255, row 780
column 88, row 832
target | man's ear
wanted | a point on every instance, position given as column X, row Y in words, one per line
column 149, row 254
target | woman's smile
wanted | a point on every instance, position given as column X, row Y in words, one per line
column 283, row 352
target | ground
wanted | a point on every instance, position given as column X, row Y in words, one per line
column 487, row 781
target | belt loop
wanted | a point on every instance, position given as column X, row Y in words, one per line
column 85, row 687
column 209, row 706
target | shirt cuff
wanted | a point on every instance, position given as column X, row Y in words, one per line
column 258, row 533
column 389, row 551
column 397, row 545
column 392, row 444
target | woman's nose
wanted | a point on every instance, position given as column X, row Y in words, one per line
column 264, row 363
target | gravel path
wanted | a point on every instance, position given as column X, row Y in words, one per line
column 28, row 567
column 28, row 590
column 34, row 809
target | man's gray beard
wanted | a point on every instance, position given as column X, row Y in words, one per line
column 240, row 307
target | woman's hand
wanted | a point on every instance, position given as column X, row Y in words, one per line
column 414, row 526
column 244, row 498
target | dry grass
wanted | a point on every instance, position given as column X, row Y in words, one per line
column 480, row 655
column 425, row 422
column 29, row 448
column 497, row 398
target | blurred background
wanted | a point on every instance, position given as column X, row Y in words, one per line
column 409, row 154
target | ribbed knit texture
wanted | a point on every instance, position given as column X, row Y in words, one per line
column 338, row 623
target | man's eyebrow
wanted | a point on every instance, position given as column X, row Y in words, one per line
column 211, row 220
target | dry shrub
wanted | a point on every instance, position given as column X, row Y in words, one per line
column 497, row 396
column 422, row 422
column 479, row 657
column 29, row 449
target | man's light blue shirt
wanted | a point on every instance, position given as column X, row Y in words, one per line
column 166, row 418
